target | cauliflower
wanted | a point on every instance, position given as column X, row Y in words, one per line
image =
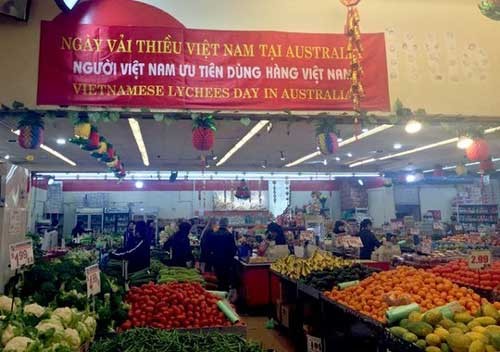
column 6, row 304
column 18, row 344
column 58, row 347
column 83, row 331
column 91, row 324
column 72, row 338
column 65, row 314
column 8, row 334
column 45, row 325
column 34, row 309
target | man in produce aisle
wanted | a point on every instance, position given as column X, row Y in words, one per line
column 368, row 238
column 224, row 250
column 206, row 240
column 129, row 233
column 180, row 246
column 137, row 249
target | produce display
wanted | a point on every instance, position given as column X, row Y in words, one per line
column 33, row 327
column 176, row 274
column 173, row 305
column 458, row 331
column 458, row 271
column 135, row 340
column 146, row 275
column 62, row 282
column 296, row 268
column 436, row 257
column 325, row 280
column 404, row 285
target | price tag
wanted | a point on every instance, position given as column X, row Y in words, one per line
column 93, row 275
column 21, row 254
column 479, row 259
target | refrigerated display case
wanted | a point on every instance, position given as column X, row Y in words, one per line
column 145, row 214
column 116, row 220
column 92, row 219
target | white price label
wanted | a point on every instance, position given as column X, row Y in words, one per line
column 21, row 254
column 93, row 275
column 479, row 259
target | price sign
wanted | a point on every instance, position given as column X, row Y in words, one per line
column 479, row 259
column 21, row 254
column 93, row 275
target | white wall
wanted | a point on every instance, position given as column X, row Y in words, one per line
column 437, row 198
column 381, row 205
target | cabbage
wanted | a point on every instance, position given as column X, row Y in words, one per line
column 18, row 344
column 9, row 333
column 91, row 324
column 6, row 304
column 65, row 314
column 45, row 325
column 83, row 331
column 72, row 338
column 34, row 309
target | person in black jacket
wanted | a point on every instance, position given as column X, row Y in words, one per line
column 276, row 233
column 206, row 242
column 368, row 238
column 224, row 250
column 180, row 246
column 137, row 249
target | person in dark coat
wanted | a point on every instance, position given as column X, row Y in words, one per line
column 152, row 231
column 137, row 249
column 206, row 243
column 224, row 250
column 276, row 233
column 180, row 246
column 340, row 228
column 129, row 234
column 368, row 239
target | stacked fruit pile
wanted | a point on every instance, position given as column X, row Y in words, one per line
column 325, row 280
column 458, row 271
column 404, row 285
column 296, row 268
column 460, row 332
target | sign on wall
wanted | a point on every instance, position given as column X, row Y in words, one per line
column 162, row 67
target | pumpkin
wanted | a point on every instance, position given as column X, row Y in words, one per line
column 479, row 150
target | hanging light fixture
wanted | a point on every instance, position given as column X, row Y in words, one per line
column 464, row 142
column 413, row 126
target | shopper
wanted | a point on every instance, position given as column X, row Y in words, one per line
column 206, row 245
column 224, row 250
column 180, row 246
column 152, row 231
column 137, row 249
column 77, row 232
column 340, row 228
column 276, row 233
column 129, row 233
column 368, row 239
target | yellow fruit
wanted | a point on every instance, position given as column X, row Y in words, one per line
column 433, row 339
column 446, row 323
column 441, row 332
column 458, row 342
column 462, row 327
column 433, row 317
column 410, row 337
column 415, row 316
column 485, row 321
column 490, row 348
column 479, row 329
column 463, row 317
column 473, row 324
column 477, row 346
column 477, row 336
column 432, row 349
column 445, row 347
column 455, row 330
column 398, row 331
column 489, row 310
column 421, row 344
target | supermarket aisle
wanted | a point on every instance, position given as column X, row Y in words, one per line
column 271, row 339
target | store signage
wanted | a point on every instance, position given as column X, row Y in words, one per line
column 21, row 254
column 160, row 67
column 93, row 276
column 479, row 259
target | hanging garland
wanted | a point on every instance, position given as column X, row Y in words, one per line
column 355, row 50
column 490, row 8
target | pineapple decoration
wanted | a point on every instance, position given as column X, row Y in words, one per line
column 490, row 8
column 355, row 50
column 327, row 136
column 203, row 135
column 31, row 131
column 479, row 150
column 242, row 191
column 100, row 152
column 82, row 128
column 93, row 141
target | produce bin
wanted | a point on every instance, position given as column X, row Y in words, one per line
column 254, row 286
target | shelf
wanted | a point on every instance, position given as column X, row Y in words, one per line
column 483, row 213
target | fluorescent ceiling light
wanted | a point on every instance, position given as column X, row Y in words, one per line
column 411, row 178
column 362, row 162
column 361, row 183
column 342, row 143
column 413, row 126
column 397, row 146
column 454, row 166
column 7, row 157
column 419, row 149
column 139, row 184
column 51, row 151
column 255, row 129
column 325, row 162
column 61, row 141
column 464, row 142
column 136, row 131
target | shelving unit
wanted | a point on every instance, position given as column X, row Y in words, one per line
column 474, row 215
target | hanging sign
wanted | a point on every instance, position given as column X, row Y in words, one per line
column 479, row 259
column 161, row 67
column 93, row 276
column 21, row 254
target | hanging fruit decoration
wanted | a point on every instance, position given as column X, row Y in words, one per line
column 486, row 166
column 355, row 50
column 490, row 8
column 203, row 135
column 82, row 128
column 479, row 150
column 460, row 169
column 93, row 140
column 31, row 130
column 242, row 191
column 327, row 136
column 438, row 171
column 102, row 149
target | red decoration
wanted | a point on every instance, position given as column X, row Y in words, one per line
column 486, row 166
column 203, row 138
column 478, row 151
column 350, row 2
column 242, row 191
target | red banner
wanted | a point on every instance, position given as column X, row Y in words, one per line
column 159, row 67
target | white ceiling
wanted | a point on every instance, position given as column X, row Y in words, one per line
column 169, row 147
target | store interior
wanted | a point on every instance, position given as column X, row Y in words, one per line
column 370, row 222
